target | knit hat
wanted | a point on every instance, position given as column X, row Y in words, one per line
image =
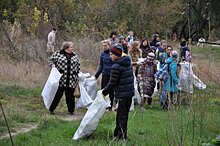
column 151, row 56
column 174, row 54
column 120, row 37
column 117, row 50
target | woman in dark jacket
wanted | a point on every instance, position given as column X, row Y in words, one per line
column 105, row 66
column 145, row 47
column 67, row 63
column 122, row 81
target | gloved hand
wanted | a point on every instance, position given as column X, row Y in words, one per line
column 103, row 94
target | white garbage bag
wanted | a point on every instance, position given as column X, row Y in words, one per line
column 186, row 77
column 198, row 83
column 51, row 87
column 90, row 121
column 90, row 84
column 136, row 93
column 84, row 99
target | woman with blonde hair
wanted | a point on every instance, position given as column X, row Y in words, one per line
column 67, row 63
column 135, row 52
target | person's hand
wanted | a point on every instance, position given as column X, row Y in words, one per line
column 103, row 96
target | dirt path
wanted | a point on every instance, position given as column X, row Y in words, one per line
column 29, row 127
column 18, row 130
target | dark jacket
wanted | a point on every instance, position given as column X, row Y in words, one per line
column 125, row 48
column 121, row 79
column 105, row 64
column 183, row 50
column 145, row 50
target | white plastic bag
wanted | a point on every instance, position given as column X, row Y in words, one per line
column 198, row 83
column 136, row 93
column 51, row 87
column 84, row 99
column 90, row 121
column 186, row 77
column 90, row 84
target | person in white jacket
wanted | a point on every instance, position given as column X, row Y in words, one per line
column 51, row 41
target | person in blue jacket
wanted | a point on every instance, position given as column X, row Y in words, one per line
column 122, row 82
column 105, row 68
column 170, row 86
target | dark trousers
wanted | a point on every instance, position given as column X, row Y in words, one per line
column 70, row 99
column 122, row 118
column 105, row 80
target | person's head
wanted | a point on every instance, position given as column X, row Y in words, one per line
column 135, row 44
column 68, row 47
column 164, row 46
column 105, row 45
column 113, row 35
column 174, row 55
column 116, row 52
column 169, row 50
column 150, row 57
column 183, row 43
column 120, row 38
column 131, row 33
column 157, row 38
column 144, row 42
column 54, row 29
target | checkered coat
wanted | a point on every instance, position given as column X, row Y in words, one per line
column 69, row 70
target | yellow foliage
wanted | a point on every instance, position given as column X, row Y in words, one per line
column 5, row 13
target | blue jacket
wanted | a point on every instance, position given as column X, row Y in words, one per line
column 121, row 79
column 105, row 64
column 171, row 83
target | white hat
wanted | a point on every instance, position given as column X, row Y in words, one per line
column 151, row 56
column 174, row 54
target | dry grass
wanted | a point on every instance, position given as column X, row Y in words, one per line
column 31, row 74
column 207, row 70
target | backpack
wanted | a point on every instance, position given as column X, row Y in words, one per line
column 163, row 73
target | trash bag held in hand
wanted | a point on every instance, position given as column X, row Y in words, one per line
column 91, row 119
column 51, row 87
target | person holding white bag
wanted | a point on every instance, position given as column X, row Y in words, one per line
column 67, row 63
column 122, row 82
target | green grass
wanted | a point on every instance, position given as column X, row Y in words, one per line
column 152, row 127
column 207, row 52
column 151, row 130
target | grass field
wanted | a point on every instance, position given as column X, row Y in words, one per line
column 187, row 124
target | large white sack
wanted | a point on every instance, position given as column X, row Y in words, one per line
column 198, row 83
column 186, row 78
column 90, row 84
column 51, row 87
column 84, row 99
column 93, row 115
column 136, row 93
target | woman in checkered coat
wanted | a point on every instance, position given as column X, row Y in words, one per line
column 67, row 62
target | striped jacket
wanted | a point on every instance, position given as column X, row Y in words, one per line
column 69, row 67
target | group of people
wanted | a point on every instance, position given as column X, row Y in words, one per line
column 123, row 61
